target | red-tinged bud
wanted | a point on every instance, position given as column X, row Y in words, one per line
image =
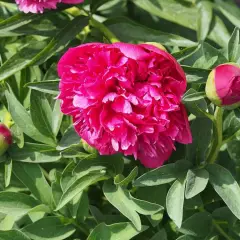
column 223, row 85
column 5, row 138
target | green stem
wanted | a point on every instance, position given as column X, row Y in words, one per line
column 217, row 135
column 217, row 226
column 220, row 230
column 107, row 33
column 82, row 228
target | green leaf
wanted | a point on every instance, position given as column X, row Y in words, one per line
column 204, row 57
column 23, row 119
column 120, row 180
column 17, row 135
column 175, row 201
column 7, row 223
column 118, row 231
column 57, row 193
column 236, row 229
column 163, row 175
column 34, row 153
column 231, row 125
column 128, row 30
column 191, row 97
column 226, row 186
column 196, row 75
column 233, row 46
column 193, row 203
column 204, row 19
column 155, row 194
column 218, row 26
column 197, row 150
column 13, row 235
column 95, row 5
column 176, row 12
column 108, row 219
column 16, row 204
column 48, row 228
column 160, row 235
column 61, row 40
column 198, row 107
column 21, row 59
column 67, row 177
column 80, row 207
column 79, row 185
column 50, row 86
column 8, row 172
column 128, row 205
column 56, row 117
column 17, row 21
column 113, row 164
column 233, row 148
column 184, row 15
column 230, row 11
column 32, row 177
column 37, row 52
column 196, row 182
column 198, row 225
column 224, row 214
column 41, row 114
column 186, row 237
column 69, row 139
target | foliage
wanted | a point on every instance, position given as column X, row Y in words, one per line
column 53, row 187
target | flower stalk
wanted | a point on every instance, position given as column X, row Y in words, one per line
column 107, row 33
column 217, row 135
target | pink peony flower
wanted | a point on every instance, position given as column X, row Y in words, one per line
column 223, row 85
column 125, row 98
column 35, row 6
column 5, row 138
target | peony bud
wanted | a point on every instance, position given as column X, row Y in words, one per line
column 5, row 138
column 223, row 85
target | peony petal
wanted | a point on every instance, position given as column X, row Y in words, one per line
column 132, row 51
column 226, row 78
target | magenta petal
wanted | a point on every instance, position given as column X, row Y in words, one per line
column 154, row 155
column 184, row 135
column 132, row 51
column 227, row 82
column 38, row 6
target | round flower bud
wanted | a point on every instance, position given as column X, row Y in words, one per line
column 223, row 85
column 5, row 138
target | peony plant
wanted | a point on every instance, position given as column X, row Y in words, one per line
column 119, row 119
